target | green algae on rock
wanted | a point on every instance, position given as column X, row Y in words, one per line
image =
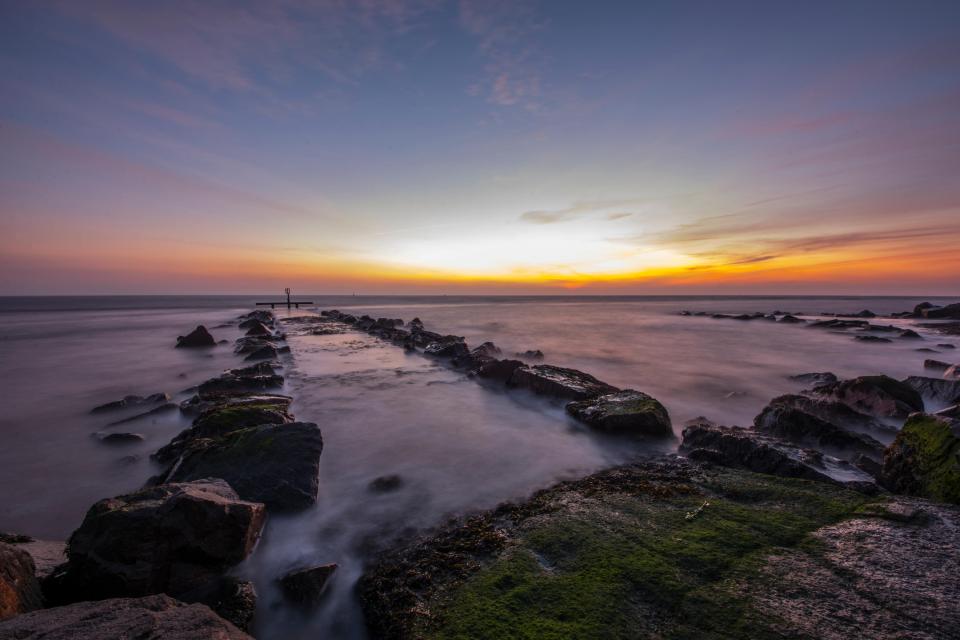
column 643, row 550
column 924, row 460
column 626, row 412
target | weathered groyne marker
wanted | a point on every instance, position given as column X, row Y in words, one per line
column 290, row 303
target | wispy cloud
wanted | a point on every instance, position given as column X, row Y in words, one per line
column 579, row 210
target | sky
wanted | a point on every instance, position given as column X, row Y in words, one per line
column 487, row 147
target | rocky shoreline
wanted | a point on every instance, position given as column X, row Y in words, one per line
column 157, row 562
column 839, row 501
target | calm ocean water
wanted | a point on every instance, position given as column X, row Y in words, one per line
column 456, row 445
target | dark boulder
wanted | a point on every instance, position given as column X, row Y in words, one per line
column 233, row 599
column 530, row 354
column 385, row 484
column 935, row 365
column 938, row 390
column 953, row 373
column 259, row 329
column 488, row 350
column 274, row 464
column 119, row 438
column 163, row 408
column 950, row 311
column 626, row 412
column 833, row 412
column 220, row 421
column 802, row 428
column 499, row 370
column 874, row 395
column 910, row 334
column 815, row 378
column 946, row 345
column 151, row 618
column 789, row 319
column 872, row 339
column 447, row 349
column 924, row 460
column 197, row 404
column 199, row 337
column 305, row 587
column 243, row 382
column 739, row 448
column 19, row 588
column 172, row 539
column 266, row 352
column 131, row 401
column 920, row 308
column 559, row 382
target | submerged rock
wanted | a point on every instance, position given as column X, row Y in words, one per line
column 950, row 311
column 874, row 395
column 789, row 319
column 530, row 354
column 626, row 412
column 131, row 401
column 559, row 382
column 499, row 370
column 872, row 339
column 199, row 337
column 163, row 408
column 172, row 539
column 937, row 390
column 816, row 378
column 953, row 373
column 149, row 618
column 447, row 349
column 19, row 588
column 257, row 328
column 385, row 484
column 924, row 460
column 274, row 464
column 936, row 365
column 266, row 352
column 834, row 412
column 305, row 587
column 119, row 438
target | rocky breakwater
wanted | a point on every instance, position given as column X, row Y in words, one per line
column 180, row 536
column 600, row 406
column 674, row 548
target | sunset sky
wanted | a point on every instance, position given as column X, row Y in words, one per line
column 480, row 147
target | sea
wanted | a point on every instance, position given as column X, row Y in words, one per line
column 457, row 446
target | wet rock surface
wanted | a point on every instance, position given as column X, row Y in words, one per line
column 131, row 401
column 559, row 382
column 627, row 412
column 150, row 618
column 19, row 588
column 879, row 396
column 199, row 337
column 167, row 539
column 792, row 424
column 924, row 460
column 937, row 390
column 305, row 587
column 635, row 552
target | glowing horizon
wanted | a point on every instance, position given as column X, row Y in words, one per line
column 423, row 146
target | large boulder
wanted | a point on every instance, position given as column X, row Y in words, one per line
column 499, row 370
column 153, row 617
column 199, row 404
column 879, row 396
column 937, row 390
column 559, row 382
column 199, row 337
column 792, row 424
column 305, row 587
column 924, row 460
column 19, row 588
column 739, row 448
column 257, row 328
column 626, row 412
column 447, row 349
column 278, row 465
column 173, row 539
column 220, row 421
column 834, row 412
column 815, row 378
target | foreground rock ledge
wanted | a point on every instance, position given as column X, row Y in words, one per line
column 150, row 618
column 676, row 550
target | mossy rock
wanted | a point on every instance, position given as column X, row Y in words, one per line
column 642, row 551
column 626, row 412
column 924, row 460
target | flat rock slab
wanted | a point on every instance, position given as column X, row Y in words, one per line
column 625, row 412
column 559, row 382
column 151, row 618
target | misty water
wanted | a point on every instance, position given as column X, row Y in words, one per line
column 457, row 445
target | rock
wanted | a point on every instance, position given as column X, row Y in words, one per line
column 925, row 350
column 197, row 405
column 233, row 382
column 173, row 538
column 910, row 334
column 249, row 344
column 416, row 324
column 924, row 460
column 47, row 554
column 232, row 599
column 499, row 370
column 530, row 354
column 920, row 308
column 738, row 448
column 447, row 349
column 951, row 311
column 839, row 324
column 163, row 408
column 946, row 328
column 626, row 412
column 953, row 373
column 149, row 618
column 274, row 464
column 866, row 313
column 384, row 484
column 131, row 401
column 945, row 345
column 868, row 465
column 559, row 382
column 487, row 349
column 119, row 438
column 936, row 365
column 834, row 412
column 789, row 423
column 817, row 378
column 937, row 390
column 266, row 352
column 305, row 587
column 19, row 588
column 874, row 395
column 220, row 421
column 199, row 337
column 789, row 319
column 872, row 339
column 949, row 412
column 258, row 329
